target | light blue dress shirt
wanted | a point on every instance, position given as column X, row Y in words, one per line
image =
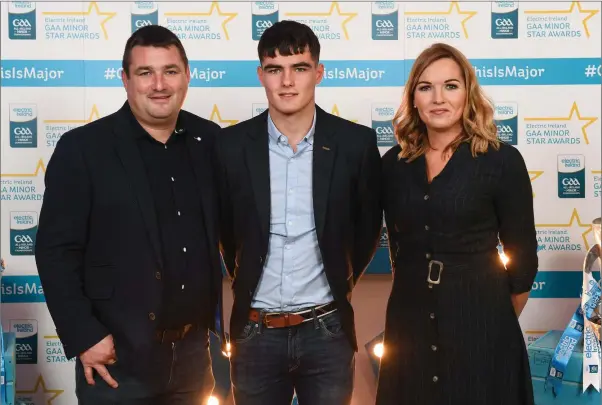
column 293, row 275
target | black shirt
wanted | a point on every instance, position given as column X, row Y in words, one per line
column 177, row 201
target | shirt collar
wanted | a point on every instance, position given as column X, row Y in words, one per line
column 276, row 136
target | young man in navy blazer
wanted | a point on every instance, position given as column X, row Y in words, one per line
column 299, row 223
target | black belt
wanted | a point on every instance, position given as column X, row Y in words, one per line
column 436, row 263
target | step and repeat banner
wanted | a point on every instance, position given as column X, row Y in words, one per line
column 538, row 61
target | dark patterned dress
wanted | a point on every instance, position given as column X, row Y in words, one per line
column 457, row 342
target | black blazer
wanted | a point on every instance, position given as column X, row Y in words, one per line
column 98, row 246
column 348, row 216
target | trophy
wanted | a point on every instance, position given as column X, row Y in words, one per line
column 595, row 319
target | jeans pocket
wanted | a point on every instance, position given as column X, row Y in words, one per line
column 248, row 333
column 331, row 325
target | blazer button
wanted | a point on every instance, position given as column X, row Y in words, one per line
column 151, row 316
column 260, row 259
column 158, row 275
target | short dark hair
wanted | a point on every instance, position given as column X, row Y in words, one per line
column 151, row 35
column 288, row 38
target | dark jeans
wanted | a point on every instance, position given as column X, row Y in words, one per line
column 177, row 374
column 313, row 359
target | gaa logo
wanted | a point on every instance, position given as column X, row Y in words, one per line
column 385, row 21
column 142, row 23
column 593, row 368
column 26, row 342
column 144, row 13
column 504, row 19
column 384, row 24
column 22, row 131
column 23, row 347
column 570, row 182
column 23, row 229
column 264, row 14
column 504, row 22
column 384, row 131
column 382, row 123
column 23, row 239
column 571, row 176
column 263, row 24
column 22, row 20
column 21, row 23
column 23, row 125
column 505, row 116
column 504, row 129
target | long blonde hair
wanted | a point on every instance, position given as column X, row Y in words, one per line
column 479, row 128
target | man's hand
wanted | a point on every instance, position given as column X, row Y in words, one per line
column 96, row 357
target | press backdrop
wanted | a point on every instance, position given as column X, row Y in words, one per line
column 538, row 61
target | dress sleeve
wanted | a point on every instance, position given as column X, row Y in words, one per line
column 514, row 207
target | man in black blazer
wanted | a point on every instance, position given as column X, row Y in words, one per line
column 300, row 221
column 127, row 247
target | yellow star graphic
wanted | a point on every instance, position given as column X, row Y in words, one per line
column 574, row 4
column 333, row 6
column 40, row 167
column 214, row 7
column 92, row 5
column 217, row 117
column 574, row 111
column 454, row 4
column 94, row 114
column 335, row 111
column 574, row 217
column 40, row 382
column 533, row 175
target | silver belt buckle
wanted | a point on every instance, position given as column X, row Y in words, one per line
column 429, row 279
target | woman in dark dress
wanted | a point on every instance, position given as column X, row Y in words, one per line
column 452, row 192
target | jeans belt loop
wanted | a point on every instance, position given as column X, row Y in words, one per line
column 260, row 321
column 315, row 318
column 438, row 280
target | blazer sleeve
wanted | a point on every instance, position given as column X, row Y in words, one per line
column 227, row 242
column 61, row 245
column 514, row 208
column 369, row 214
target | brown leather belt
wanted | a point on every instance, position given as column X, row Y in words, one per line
column 173, row 335
column 287, row 319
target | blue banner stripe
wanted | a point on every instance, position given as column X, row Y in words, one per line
column 42, row 73
column 21, row 289
column 347, row 73
column 548, row 284
column 531, row 72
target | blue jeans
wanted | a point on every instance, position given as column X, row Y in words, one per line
column 313, row 359
column 177, row 374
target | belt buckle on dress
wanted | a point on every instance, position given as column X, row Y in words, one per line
column 429, row 279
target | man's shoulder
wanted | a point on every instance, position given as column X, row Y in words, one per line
column 245, row 126
column 92, row 131
column 200, row 123
column 352, row 132
column 235, row 134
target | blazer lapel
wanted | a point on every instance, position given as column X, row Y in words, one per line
column 323, row 159
column 129, row 154
column 258, row 162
